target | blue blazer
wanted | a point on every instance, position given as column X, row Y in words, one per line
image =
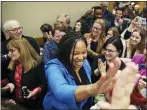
column 61, row 86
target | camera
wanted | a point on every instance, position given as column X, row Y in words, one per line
column 24, row 91
column 6, row 56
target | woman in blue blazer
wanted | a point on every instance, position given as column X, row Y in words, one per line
column 69, row 76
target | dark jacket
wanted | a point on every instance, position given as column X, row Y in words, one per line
column 127, row 34
column 69, row 29
column 95, row 65
column 32, row 79
column 122, row 27
column 109, row 17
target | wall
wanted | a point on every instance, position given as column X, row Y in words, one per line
column 32, row 15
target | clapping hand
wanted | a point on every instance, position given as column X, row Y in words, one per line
column 102, row 67
column 107, row 80
column 122, row 89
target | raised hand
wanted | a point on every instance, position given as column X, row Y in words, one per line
column 125, row 82
column 123, row 87
column 102, row 67
column 49, row 35
column 88, row 39
column 107, row 81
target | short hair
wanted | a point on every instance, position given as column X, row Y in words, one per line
column 120, row 9
column 28, row 55
column 66, row 16
column 46, row 28
column 8, row 24
column 98, row 7
column 115, row 41
column 66, row 44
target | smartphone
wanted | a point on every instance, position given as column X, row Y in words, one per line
column 24, row 91
column 142, row 21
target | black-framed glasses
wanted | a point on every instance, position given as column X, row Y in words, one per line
column 16, row 29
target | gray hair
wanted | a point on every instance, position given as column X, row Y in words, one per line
column 8, row 24
column 66, row 16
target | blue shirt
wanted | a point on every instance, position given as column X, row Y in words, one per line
column 62, row 86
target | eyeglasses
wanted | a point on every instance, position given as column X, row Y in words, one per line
column 16, row 29
column 97, row 28
column 110, row 51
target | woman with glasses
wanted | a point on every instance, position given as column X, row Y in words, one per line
column 13, row 30
column 69, row 76
column 27, row 78
column 113, row 49
column 95, row 40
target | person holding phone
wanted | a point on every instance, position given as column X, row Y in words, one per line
column 134, row 25
column 27, row 81
column 47, row 32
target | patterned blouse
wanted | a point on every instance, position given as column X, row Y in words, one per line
column 49, row 51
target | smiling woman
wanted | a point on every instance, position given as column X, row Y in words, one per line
column 69, row 76
column 27, row 71
column 113, row 49
column 136, row 43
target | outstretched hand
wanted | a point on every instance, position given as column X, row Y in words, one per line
column 123, row 87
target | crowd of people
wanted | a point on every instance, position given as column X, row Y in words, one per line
column 100, row 63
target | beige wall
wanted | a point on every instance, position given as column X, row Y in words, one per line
column 32, row 15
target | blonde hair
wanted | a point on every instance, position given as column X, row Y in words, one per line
column 100, row 20
column 29, row 58
column 102, row 38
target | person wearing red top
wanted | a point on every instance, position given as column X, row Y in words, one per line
column 27, row 79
